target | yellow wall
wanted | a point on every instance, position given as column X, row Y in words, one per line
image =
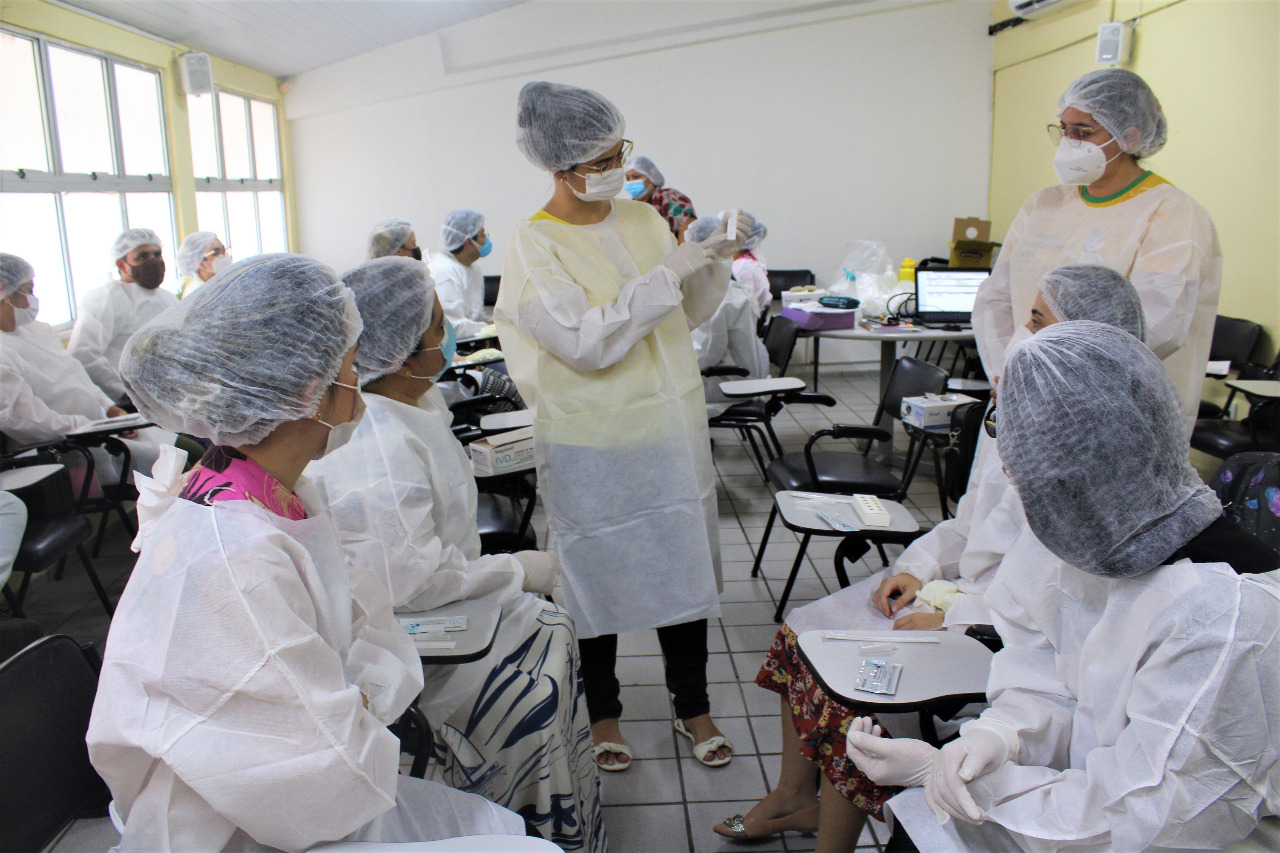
column 1213, row 64
column 71, row 27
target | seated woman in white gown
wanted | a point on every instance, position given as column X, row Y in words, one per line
column 513, row 725
column 250, row 671
column 952, row 565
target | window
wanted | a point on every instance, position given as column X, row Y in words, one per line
column 83, row 156
column 235, row 151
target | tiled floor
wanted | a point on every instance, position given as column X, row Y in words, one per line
column 667, row 802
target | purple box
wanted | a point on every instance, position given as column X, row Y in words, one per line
column 820, row 317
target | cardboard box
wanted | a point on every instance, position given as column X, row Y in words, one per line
column 498, row 454
column 971, row 245
column 932, row 411
column 812, row 316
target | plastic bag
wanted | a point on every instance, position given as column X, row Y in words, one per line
column 868, row 274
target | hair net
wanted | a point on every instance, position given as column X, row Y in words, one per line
column 564, row 126
column 1091, row 434
column 758, row 232
column 132, row 239
column 1088, row 292
column 701, row 228
column 646, row 167
column 14, row 272
column 395, row 297
column 459, row 227
column 1124, row 105
column 192, row 251
column 387, row 236
column 255, row 348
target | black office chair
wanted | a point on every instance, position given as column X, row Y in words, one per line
column 855, row 473
column 1234, row 340
column 491, row 283
column 783, row 280
column 1257, row 431
column 46, row 696
column 504, row 513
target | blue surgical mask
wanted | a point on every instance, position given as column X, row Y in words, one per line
column 635, row 189
column 486, row 248
column 448, row 348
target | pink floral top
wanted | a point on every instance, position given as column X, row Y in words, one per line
column 226, row 474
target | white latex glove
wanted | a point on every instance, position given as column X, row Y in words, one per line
column 689, row 259
column 982, row 747
column 541, row 570
column 888, row 761
column 723, row 245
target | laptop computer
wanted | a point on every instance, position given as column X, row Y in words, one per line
column 947, row 295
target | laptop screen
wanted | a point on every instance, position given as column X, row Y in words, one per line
column 947, row 290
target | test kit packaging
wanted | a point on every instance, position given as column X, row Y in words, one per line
column 971, row 245
column 498, row 454
column 812, row 316
column 793, row 297
column 932, row 411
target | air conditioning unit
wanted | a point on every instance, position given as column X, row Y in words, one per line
column 1030, row 9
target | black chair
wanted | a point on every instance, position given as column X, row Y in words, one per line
column 55, row 529
column 957, row 449
column 1257, row 431
column 856, row 473
column 491, row 283
column 1246, row 371
column 416, row 738
column 46, row 696
column 1234, row 340
column 783, row 280
column 504, row 513
column 16, row 634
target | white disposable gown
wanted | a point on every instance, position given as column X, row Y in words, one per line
column 752, row 272
column 229, row 714
column 107, row 317
column 461, row 292
column 1160, row 239
column 596, row 333
column 1145, row 706
column 729, row 337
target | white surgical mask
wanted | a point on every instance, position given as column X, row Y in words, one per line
column 221, row 262
column 23, row 316
column 340, row 434
column 1080, row 163
column 602, row 186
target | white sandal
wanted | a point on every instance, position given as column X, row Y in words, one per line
column 617, row 749
column 708, row 747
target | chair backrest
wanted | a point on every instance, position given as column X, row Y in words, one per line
column 46, row 696
column 911, row 377
column 47, row 493
column 966, row 424
column 1248, row 484
column 1233, row 340
column 491, row 283
column 781, row 280
column 780, row 341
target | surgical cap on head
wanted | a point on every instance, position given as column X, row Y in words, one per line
column 1124, row 105
column 646, row 167
column 192, row 251
column 702, row 228
column 132, row 239
column 1091, row 435
column 254, row 348
column 395, row 297
column 758, row 232
column 1089, row 292
column 387, row 236
column 459, row 227
column 563, row 126
column 14, row 272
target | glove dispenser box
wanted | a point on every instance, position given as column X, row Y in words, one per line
column 932, row 411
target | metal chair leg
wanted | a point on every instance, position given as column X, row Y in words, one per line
column 764, row 540
column 93, row 578
column 884, row 558
column 791, row 579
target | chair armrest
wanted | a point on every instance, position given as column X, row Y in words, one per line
column 986, row 634
column 726, row 370
column 872, row 433
column 742, row 388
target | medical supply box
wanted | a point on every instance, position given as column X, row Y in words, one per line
column 812, row 316
column 793, row 296
column 932, row 411
column 971, row 246
column 498, row 454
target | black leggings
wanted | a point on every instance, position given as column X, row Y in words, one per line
column 684, row 655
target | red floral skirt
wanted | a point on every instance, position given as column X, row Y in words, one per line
column 821, row 723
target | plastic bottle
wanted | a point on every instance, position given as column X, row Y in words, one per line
column 907, row 272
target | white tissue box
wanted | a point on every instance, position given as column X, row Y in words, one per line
column 791, row 297
column 498, row 454
column 932, row 411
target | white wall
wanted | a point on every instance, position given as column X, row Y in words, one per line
column 873, row 126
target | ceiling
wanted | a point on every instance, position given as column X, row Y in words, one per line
column 288, row 37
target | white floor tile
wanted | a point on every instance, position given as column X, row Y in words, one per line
column 646, row 828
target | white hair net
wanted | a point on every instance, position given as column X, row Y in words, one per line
column 564, row 126
column 132, row 239
column 395, row 297
column 1089, row 292
column 255, row 348
column 388, row 235
column 459, row 227
column 1091, row 435
column 192, row 251
column 1124, row 105
column 648, row 168
column 702, row 228
column 758, row 231
column 14, row 272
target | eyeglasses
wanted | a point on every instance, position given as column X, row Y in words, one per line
column 614, row 162
column 989, row 421
column 1074, row 132
column 217, row 253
